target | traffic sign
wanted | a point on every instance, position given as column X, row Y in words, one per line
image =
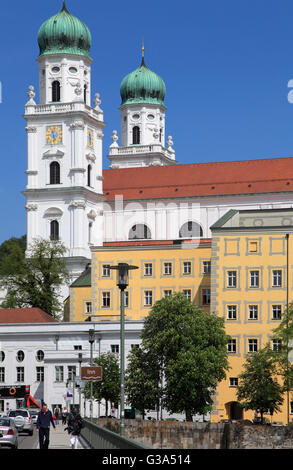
column 91, row 373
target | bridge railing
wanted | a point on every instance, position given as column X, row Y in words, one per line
column 101, row 438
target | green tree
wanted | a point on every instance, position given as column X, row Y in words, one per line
column 190, row 347
column 38, row 279
column 142, row 383
column 284, row 334
column 259, row 388
column 109, row 387
column 12, row 253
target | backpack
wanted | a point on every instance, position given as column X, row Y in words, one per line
column 75, row 424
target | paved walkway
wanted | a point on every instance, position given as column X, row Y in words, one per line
column 60, row 439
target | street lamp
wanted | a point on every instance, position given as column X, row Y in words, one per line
column 80, row 361
column 91, row 341
column 122, row 282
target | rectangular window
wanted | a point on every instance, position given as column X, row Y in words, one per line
column 187, row 293
column 88, row 307
column 115, row 348
column 276, row 312
column 252, row 345
column 40, row 374
column 59, row 374
column 206, row 265
column 233, row 382
column 2, row 374
column 77, row 347
column 277, row 278
column 106, row 299
column 167, row 269
column 254, row 278
column 167, row 292
column 71, row 372
column 148, row 269
column 253, row 312
column 231, row 346
column 231, row 312
column 276, row 345
column 106, row 270
column 1, row 405
column 148, row 298
column 232, row 279
column 206, row 296
column 253, row 247
column 20, row 374
column 187, row 268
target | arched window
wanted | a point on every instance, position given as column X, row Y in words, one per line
column 54, row 226
column 89, row 172
column 139, row 231
column 190, row 230
column 136, row 135
column 85, row 93
column 55, row 91
column 54, row 173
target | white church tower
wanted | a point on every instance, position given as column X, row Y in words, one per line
column 143, row 140
column 64, row 192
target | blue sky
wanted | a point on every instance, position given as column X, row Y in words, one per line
column 226, row 65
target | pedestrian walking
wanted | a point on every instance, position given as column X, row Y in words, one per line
column 57, row 414
column 44, row 420
column 74, row 427
column 64, row 415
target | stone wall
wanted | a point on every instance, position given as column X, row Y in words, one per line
column 259, row 437
column 170, row 434
column 183, row 435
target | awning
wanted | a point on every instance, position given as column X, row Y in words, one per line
column 32, row 403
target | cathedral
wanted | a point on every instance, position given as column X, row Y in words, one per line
column 145, row 195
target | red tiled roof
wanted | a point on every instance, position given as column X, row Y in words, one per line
column 25, row 315
column 200, row 179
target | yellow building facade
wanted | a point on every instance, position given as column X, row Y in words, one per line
column 251, row 286
column 78, row 306
column 162, row 270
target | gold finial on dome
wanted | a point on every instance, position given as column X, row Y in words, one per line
column 142, row 51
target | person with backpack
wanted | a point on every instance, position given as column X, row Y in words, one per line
column 74, row 425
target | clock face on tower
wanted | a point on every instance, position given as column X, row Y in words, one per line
column 54, row 135
column 90, row 138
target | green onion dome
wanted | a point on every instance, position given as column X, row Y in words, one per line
column 64, row 33
column 143, row 86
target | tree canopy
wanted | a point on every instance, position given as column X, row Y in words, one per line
column 109, row 387
column 259, row 388
column 38, row 278
column 190, row 347
column 142, row 384
column 12, row 254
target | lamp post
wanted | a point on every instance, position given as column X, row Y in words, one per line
column 91, row 341
column 80, row 361
column 122, row 282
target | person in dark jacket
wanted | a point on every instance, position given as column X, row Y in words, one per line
column 74, row 425
column 44, row 420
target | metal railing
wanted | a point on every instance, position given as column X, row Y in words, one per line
column 101, row 438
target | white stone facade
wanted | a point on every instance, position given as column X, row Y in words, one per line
column 61, row 344
column 66, row 134
column 150, row 148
